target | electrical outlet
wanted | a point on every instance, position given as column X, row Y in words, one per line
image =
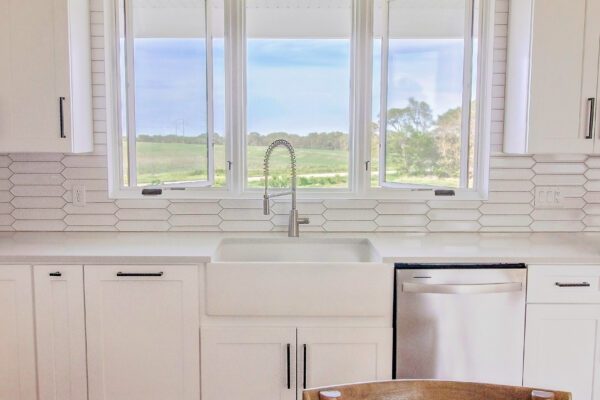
column 549, row 197
column 79, row 195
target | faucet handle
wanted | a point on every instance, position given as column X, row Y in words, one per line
column 304, row 221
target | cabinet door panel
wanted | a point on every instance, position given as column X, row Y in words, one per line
column 557, row 77
column 248, row 363
column 60, row 332
column 561, row 348
column 343, row 355
column 142, row 332
column 17, row 346
column 36, row 50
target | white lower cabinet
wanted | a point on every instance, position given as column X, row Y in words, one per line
column 60, row 332
column 334, row 356
column 278, row 363
column 562, row 348
column 17, row 342
column 142, row 332
column 562, row 339
column 248, row 363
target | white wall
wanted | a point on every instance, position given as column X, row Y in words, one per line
column 35, row 189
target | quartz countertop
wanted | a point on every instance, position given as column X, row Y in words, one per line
column 178, row 248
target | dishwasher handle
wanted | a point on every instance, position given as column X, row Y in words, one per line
column 478, row 288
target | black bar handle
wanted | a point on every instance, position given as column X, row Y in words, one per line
column 57, row 273
column 579, row 284
column 61, row 101
column 591, row 117
column 304, row 367
column 289, row 371
column 155, row 274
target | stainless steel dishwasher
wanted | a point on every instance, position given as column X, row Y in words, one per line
column 460, row 322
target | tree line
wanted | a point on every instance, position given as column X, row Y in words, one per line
column 418, row 144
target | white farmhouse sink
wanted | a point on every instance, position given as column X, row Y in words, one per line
column 295, row 250
column 308, row 277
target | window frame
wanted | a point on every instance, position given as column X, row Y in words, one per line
column 361, row 74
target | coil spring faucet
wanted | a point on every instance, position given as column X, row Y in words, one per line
column 294, row 221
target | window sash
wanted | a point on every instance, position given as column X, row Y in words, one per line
column 465, row 108
column 126, row 8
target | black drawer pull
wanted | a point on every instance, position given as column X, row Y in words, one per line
column 57, row 274
column 289, row 370
column 580, row 284
column 138, row 274
column 304, row 366
column 61, row 117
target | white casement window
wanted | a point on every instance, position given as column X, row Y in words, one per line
column 380, row 98
column 428, row 62
column 169, row 98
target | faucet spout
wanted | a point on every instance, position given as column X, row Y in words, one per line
column 293, row 228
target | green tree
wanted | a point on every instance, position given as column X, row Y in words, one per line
column 447, row 136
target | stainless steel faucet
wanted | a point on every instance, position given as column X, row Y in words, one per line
column 294, row 221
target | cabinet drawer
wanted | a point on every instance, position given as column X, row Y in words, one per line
column 563, row 284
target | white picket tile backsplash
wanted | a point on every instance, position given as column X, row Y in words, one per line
column 35, row 189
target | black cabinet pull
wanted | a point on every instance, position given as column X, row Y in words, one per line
column 304, row 367
column 591, row 117
column 579, row 284
column 61, row 101
column 133, row 274
column 289, row 373
column 57, row 273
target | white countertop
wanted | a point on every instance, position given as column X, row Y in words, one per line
column 171, row 247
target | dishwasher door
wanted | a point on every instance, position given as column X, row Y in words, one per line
column 460, row 323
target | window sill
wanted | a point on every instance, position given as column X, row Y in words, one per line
column 195, row 194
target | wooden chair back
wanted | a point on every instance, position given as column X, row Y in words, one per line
column 430, row 390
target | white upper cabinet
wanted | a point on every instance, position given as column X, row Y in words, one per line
column 45, row 76
column 552, row 77
column 60, row 332
column 17, row 346
column 143, row 332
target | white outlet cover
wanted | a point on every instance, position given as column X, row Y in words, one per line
column 549, row 197
column 79, row 199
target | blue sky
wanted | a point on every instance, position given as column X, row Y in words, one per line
column 298, row 86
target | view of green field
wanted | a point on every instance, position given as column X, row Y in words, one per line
column 421, row 150
column 160, row 163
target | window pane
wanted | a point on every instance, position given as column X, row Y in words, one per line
column 170, row 81
column 425, row 92
column 298, row 88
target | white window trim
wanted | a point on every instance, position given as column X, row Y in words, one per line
column 360, row 130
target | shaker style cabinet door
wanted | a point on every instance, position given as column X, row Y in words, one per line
column 45, row 76
column 562, row 349
column 142, row 332
column 60, row 332
column 552, row 77
column 17, row 341
column 333, row 356
column 248, row 363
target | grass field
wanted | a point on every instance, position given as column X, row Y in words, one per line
column 160, row 163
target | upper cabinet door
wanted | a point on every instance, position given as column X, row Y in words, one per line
column 142, row 332
column 45, row 76
column 17, row 342
column 552, row 76
column 248, row 363
column 332, row 356
column 60, row 331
